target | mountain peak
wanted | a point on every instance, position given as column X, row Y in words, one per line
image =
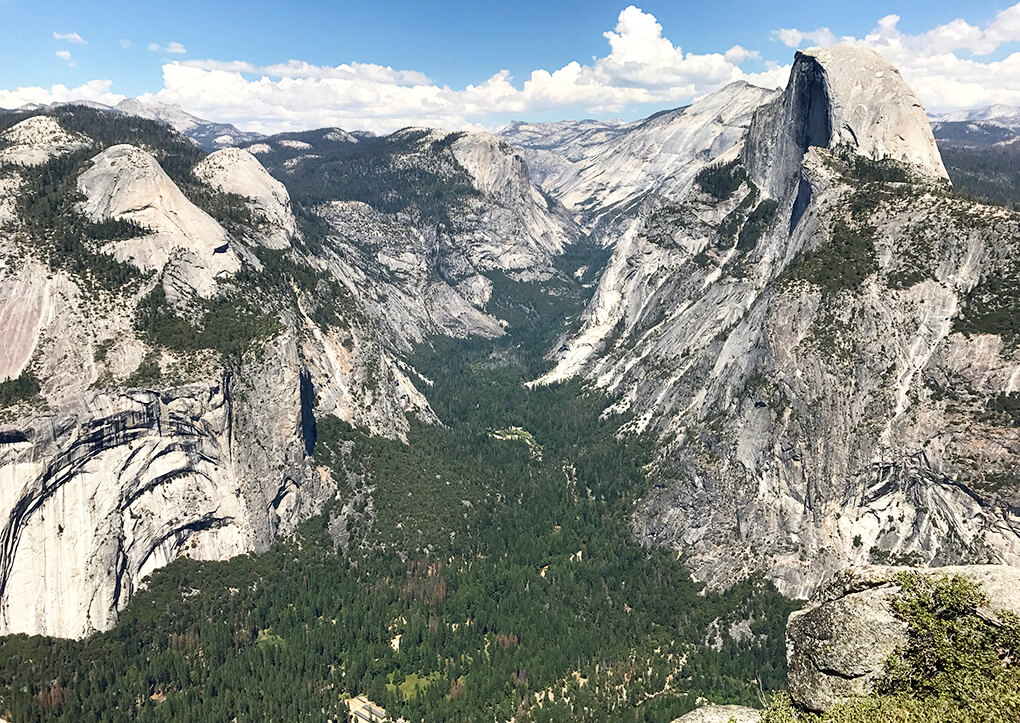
column 873, row 109
column 843, row 95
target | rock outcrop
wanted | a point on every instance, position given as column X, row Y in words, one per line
column 839, row 96
column 515, row 228
column 232, row 170
column 600, row 170
column 125, row 182
column 721, row 714
column 125, row 480
column 35, row 140
column 838, row 644
column 807, row 344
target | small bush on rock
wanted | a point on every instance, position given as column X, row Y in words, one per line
column 961, row 663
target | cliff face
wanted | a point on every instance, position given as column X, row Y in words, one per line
column 600, row 171
column 842, row 96
column 174, row 413
column 808, row 334
column 98, row 498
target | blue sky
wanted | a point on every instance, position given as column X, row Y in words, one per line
column 475, row 63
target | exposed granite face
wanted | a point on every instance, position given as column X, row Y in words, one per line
column 839, row 96
column 96, row 498
column 806, row 423
column 721, row 714
column 107, row 475
column 601, row 170
column 233, row 170
column 127, row 183
column 35, row 140
column 838, row 644
column 93, row 501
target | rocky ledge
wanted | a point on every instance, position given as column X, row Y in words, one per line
column 838, row 644
column 721, row 714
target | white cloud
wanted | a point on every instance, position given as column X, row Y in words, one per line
column 301, row 69
column 125, row 43
column 642, row 66
column 95, row 90
column 174, row 48
column 945, row 64
column 66, row 56
column 793, row 38
column 69, row 38
column 738, row 54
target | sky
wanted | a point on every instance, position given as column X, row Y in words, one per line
column 274, row 66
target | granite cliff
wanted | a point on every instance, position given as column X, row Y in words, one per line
column 817, row 333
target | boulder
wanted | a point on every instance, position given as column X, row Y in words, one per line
column 836, row 646
column 721, row 714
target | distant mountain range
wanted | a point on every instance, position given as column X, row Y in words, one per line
column 981, row 126
column 985, row 126
column 208, row 135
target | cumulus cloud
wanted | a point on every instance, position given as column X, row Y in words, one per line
column 95, row 90
column 793, row 38
column 69, row 38
column 66, row 56
column 125, row 43
column 642, row 66
column 945, row 64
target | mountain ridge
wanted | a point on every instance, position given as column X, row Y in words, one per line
column 202, row 319
column 726, row 309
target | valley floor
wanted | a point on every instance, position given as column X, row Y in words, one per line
column 509, row 577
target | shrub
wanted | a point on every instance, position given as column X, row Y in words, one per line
column 993, row 307
column 227, row 324
column 844, row 263
column 148, row 372
column 757, row 224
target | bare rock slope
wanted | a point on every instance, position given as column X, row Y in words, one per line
column 837, row 646
column 165, row 367
column 600, row 170
column 817, row 335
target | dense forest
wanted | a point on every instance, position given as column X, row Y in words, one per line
column 990, row 173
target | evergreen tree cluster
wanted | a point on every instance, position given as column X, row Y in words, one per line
column 721, row 180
